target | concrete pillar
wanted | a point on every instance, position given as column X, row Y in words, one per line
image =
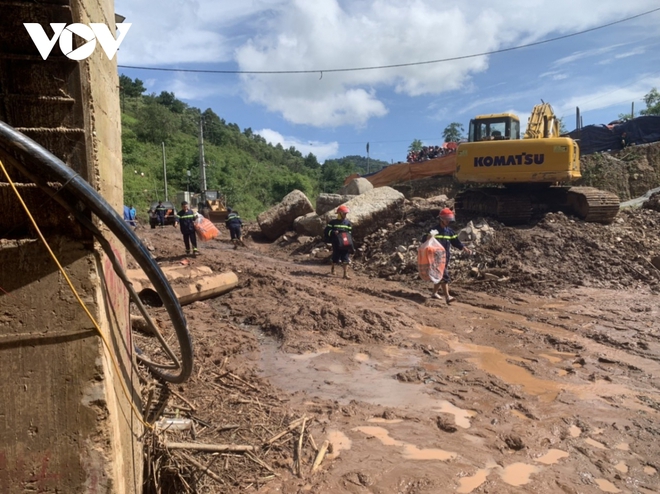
column 66, row 425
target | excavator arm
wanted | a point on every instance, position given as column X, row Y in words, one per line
column 542, row 123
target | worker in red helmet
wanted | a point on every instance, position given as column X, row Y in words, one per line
column 339, row 233
column 448, row 238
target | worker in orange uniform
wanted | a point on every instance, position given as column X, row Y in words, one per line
column 448, row 238
column 339, row 233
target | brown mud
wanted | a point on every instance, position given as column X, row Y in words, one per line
column 546, row 381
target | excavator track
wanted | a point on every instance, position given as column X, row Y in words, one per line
column 593, row 205
column 509, row 208
column 515, row 206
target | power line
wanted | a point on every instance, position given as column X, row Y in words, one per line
column 377, row 67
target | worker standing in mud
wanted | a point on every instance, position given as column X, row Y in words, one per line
column 186, row 219
column 160, row 214
column 234, row 224
column 447, row 238
column 339, row 234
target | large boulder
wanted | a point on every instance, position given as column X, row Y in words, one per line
column 356, row 187
column 279, row 218
column 327, row 202
column 299, row 224
column 368, row 212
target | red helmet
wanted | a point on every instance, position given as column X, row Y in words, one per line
column 447, row 214
column 343, row 209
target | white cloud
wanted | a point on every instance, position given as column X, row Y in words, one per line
column 607, row 96
column 580, row 55
column 299, row 35
column 321, row 150
column 637, row 51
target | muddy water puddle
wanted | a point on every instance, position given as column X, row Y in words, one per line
column 575, row 431
column 468, row 484
column 499, row 364
column 340, row 442
column 409, row 451
column 552, row 457
column 606, row 485
column 343, row 375
column 518, row 474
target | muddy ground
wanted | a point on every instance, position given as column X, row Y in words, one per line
column 545, row 379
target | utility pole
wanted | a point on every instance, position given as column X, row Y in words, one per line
column 367, row 158
column 188, row 198
column 632, row 111
column 164, row 171
column 202, row 162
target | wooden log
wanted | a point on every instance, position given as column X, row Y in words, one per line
column 203, row 469
column 292, row 426
column 299, row 450
column 320, row 455
column 192, row 407
column 210, row 447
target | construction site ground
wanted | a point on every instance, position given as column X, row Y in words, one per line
column 542, row 377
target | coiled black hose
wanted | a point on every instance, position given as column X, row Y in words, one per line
column 41, row 166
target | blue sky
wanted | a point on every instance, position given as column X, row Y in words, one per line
column 334, row 114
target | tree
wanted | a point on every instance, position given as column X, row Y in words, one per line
column 453, row 132
column 562, row 126
column 157, row 123
column 652, row 100
column 415, row 146
column 311, row 162
column 170, row 101
column 130, row 88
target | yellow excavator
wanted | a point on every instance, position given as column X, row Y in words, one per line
column 524, row 177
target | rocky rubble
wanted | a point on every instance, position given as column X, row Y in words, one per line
column 653, row 202
column 556, row 253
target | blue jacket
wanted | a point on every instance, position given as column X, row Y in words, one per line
column 333, row 229
column 186, row 220
column 233, row 220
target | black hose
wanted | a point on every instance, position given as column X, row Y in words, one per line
column 44, row 166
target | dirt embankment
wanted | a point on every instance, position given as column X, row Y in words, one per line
column 629, row 173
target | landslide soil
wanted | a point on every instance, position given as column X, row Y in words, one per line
column 544, row 380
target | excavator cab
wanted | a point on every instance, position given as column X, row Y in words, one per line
column 496, row 127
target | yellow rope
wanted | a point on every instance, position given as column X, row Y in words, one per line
column 82, row 304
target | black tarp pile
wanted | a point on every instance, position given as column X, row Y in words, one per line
column 597, row 138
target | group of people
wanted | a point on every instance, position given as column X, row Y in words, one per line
column 186, row 219
column 338, row 232
column 427, row 153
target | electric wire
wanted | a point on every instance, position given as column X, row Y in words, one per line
column 79, row 198
column 77, row 296
column 393, row 66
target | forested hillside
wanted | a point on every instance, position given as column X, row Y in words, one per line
column 252, row 173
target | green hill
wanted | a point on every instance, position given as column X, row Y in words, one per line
column 252, row 173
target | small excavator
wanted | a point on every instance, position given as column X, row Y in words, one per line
column 522, row 178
